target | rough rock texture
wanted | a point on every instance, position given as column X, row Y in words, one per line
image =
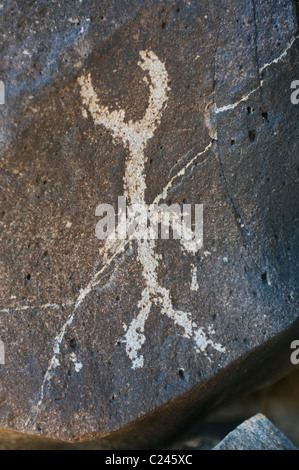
column 129, row 341
column 258, row 433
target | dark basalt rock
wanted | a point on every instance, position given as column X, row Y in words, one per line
column 220, row 321
column 257, row 433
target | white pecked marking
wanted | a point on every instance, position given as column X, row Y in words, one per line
column 135, row 136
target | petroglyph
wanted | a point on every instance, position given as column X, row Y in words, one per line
column 135, row 136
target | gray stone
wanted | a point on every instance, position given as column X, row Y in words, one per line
column 221, row 131
column 257, row 433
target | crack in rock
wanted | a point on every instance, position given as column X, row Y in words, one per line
column 247, row 96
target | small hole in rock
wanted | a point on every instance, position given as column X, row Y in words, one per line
column 251, row 135
column 264, row 277
column 181, row 374
column 73, row 344
column 265, row 116
column 112, row 400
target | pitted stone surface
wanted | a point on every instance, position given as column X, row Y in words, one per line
column 166, row 102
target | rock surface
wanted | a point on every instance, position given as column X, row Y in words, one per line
column 125, row 341
column 258, row 433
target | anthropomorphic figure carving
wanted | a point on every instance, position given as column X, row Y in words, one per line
column 135, row 136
